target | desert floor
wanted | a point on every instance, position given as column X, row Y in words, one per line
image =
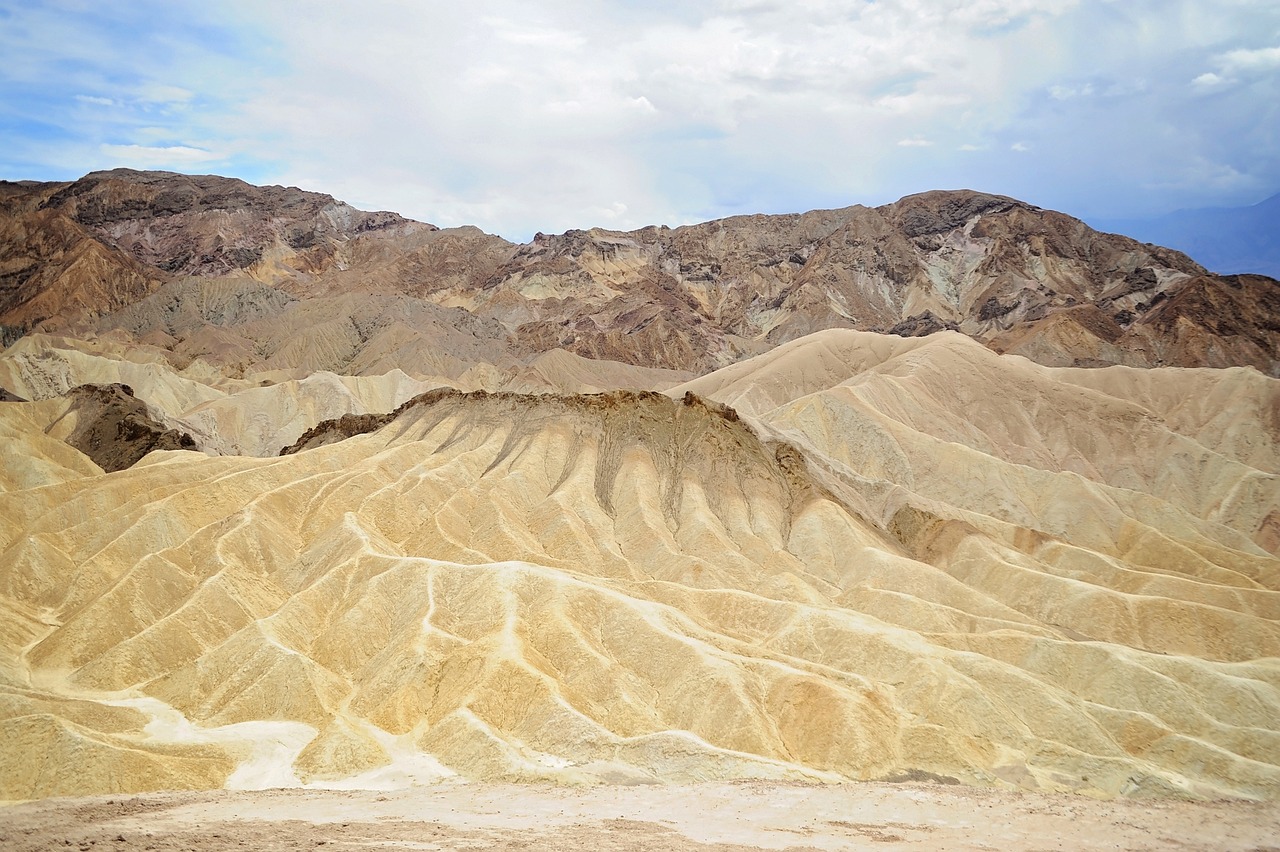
column 712, row 816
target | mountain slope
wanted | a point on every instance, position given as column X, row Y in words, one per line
column 53, row 267
column 209, row 225
column 693, row 298
column 855, row 577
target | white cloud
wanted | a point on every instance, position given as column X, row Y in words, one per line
column 1236, row 65
column 149, row 157
column 1208, row 81
column 520, row 33
column 546, row 110
column 160, row 93
column 1067, row 93
column 1201, row 173
column 550, row 114
column 1261, row 59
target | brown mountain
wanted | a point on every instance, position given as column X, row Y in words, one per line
column 976, row 263
column 52, row 266
column 110, row 238
column 1016, row 277
column 112, row 427
column 208, row 225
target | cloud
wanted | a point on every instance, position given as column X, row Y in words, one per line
column 181, row 68
column 551, row 114
column 545, row 111
column 1235, row 66
column 1067, row 93
column 543, row 37
column 160, row 93
column 1208, row 81
column 1261, row 59
column 1202, row 172
column 150, row 156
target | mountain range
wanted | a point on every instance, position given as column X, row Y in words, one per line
column 204, row 262
column 1224, row 239
column 954, row 488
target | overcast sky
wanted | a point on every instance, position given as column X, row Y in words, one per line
column 553, row 114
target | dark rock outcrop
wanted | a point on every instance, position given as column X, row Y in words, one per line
column 115, row 429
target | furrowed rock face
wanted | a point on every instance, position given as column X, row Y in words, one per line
column 856, row 577
column 52, row 267
column 694, row 298
column 975, row 263
column 114, row 428
column 210, row 225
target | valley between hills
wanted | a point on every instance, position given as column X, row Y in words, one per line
column 952, row 489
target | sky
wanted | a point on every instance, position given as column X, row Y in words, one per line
column 545, row 115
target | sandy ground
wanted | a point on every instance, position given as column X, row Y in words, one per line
column 713, row 816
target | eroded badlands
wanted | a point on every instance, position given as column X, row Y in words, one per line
column 855, row 556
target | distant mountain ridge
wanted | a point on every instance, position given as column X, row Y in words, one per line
column 309, row 273
column 1224, row 239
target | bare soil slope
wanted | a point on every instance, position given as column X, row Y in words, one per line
column 874, row 566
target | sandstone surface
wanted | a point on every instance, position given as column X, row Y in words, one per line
column 869, row 565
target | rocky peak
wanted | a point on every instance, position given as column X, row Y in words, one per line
column 212, row 225
column 945, row 210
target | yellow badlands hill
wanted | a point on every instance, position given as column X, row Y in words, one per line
column 856, row 556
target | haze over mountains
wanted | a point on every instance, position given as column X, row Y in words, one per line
column 1224, row 239
column 954, row 486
